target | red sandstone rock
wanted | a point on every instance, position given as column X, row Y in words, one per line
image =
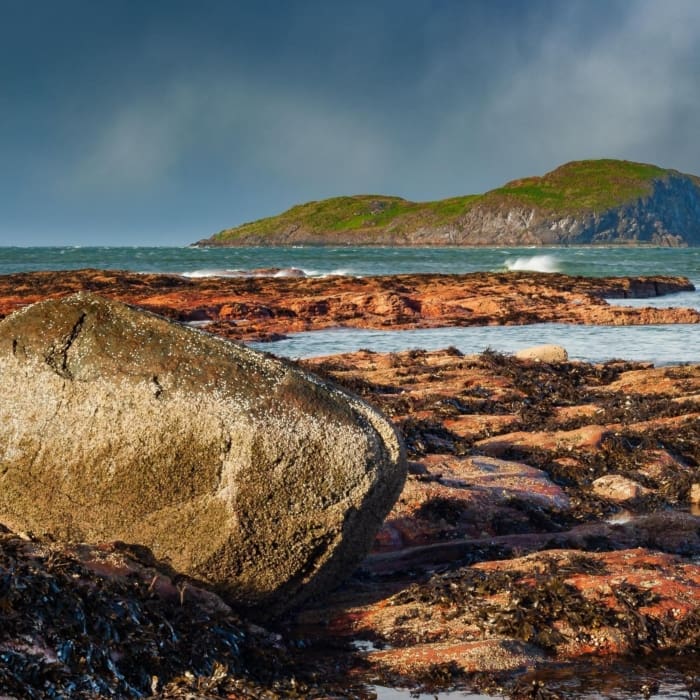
column 454, row 511
column 563, row 603
column 481, row 656
column 588, row 437
column 467, row 496
column 255, row 307
column 503, row 535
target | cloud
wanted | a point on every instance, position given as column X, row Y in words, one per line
column 306, row 136
column 585, row 80
column 485, row 97
column 615, row 92
column 232, row 121
column 135, row 146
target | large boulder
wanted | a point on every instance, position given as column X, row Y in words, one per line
column 236, row 467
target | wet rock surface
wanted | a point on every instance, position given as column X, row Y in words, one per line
column 508, row 561
column 493, row 565
column 93, row 622
column 238, row 468
column 264, row 308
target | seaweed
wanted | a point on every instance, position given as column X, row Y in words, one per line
column 68, row 632
column 449, row 510
column 429, row 436
column 542, row 607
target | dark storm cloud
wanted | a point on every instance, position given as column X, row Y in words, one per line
column 163, row 122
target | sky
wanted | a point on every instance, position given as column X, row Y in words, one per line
column 161, row 122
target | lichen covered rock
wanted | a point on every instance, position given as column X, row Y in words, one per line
column 236, row 467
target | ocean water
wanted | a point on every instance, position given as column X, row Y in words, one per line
column 667, row 689
column 658, row 344
column 199, row 262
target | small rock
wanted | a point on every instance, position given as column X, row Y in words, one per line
column 416, row 468
column 543, row 353
column 618, row 488
column 695, row 494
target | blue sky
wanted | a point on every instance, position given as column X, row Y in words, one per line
column 156, row 122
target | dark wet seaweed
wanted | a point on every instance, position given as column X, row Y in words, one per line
column 67, row 632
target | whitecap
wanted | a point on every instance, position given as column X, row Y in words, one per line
column 340, row 272
column 536, row 263
column 284, row 272
column 257, row 272
column 213, row 273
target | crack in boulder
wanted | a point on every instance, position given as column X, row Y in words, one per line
column 57, row 358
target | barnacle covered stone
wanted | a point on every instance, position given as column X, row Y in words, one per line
column 236, row 467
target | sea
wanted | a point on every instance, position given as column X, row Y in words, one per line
column 660, row 344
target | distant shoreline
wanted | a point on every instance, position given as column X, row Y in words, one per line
column 356, row 244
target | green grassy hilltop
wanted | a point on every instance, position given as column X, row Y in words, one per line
column 583, row 185
column 591, row 195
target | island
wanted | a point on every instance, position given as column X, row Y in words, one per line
column 583, row 202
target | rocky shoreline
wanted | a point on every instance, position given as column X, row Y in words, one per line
column 266, row 308
column 549, row 517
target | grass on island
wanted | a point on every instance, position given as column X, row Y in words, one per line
column 355, row 213
column 579, row 186
column 583, row 186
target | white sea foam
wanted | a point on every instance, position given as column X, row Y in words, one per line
column 337, row 272
column 211, row 273
column 536, row 263
column 263, row 272
column 269, row 272
column 340, row 272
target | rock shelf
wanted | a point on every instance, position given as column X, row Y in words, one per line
column 549, row 518
column 503, row 552
column 265, row 308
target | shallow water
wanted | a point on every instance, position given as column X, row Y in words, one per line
column 679, row 680
column 668, row 692
column 398, row 694
column 690, row 300
column 660, row 344
column 633, row 689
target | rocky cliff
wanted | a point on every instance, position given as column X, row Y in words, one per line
column 584, row 202
column 669, row 215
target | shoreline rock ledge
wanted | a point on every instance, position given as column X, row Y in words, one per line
column 232, row 466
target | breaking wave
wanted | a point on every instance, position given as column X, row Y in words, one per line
column 536, row 263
